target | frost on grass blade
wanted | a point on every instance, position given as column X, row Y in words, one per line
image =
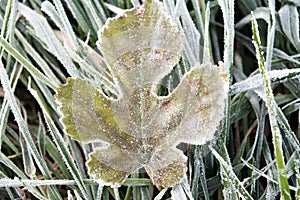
column 139, row 128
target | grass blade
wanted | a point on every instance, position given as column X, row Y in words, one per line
column 207, row 49
column 32, row 69
column 277, row 138
column 233, row 187
column 228, row 17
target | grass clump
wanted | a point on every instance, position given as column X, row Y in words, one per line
column 256, row 155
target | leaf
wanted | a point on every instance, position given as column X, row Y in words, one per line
column 140, row 129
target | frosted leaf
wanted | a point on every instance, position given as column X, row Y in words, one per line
column 139, row 128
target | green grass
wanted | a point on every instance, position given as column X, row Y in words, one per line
column 256, row 153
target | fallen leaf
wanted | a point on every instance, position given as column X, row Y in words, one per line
column 140, row 129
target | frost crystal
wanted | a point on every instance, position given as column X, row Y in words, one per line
column 139, row 128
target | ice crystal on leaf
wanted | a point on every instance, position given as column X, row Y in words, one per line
column 139, row 128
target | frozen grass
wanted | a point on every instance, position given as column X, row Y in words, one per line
column 257, row 152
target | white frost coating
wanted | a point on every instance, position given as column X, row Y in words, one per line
column 16, row 182
column 289, row 18
column 228, row 176
column 191, row 36
column 178, row 193
column 259, row 13
column 256, row 81
column 118, row 47
column 203, row 114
